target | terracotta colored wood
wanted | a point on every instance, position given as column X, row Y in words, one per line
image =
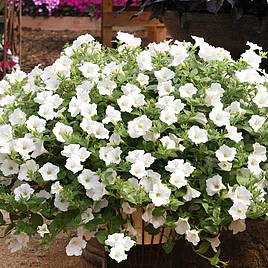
column 63, row 23
column 143, row 237
column 156, row 30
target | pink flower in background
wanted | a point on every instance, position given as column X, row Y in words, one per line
column 78, row 6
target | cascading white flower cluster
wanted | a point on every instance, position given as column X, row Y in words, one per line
column 180, row 135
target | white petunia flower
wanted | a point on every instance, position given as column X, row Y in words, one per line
column 192, row 236
column 144, row 61
column 259, row 152
column 254, row 165
column 252, row 58
column 191, row 194
column 87, row 216
column 160, row 194
column 97, row 192
column 214, row 94
column 143, row 79
column 127, row 209
column 36, row 124
column 76, row 246
column 156, row 221
column 219, row 117
column 43, row 194
column 139, row 126
column 88, row 179
column 150, row 180
column 233, row 134
column 74, row 164
column 125, row 103
column 138, row 169
column 214, row 242
column 24, row 146
column 9, row 167
column 250, row 76
column 238, row 211
column 182, row 226
column 178, row 179
column 17, row 118
column 62, row 131
column 130, row 89
column 61, row 203
column 256, row 122
column 106, row 87
column 187, row 90
column 164, row 74
column 168, row 143
column 179, row 53
column 211, row 53
column 112, row 115
column 56, row 188
column 226, row 153
column 168, row 116
column 241, row 195
column 237, row 226
column 49, row 172
column 115, row 139
column 226, row 166
column 29, row 166
column 90, row 71
column 235, row 108
column 118, row 254
column 197, row 135
column 200, row 118
column 88, row 110
column 42, row 230
column 47, row 111
column 24, row 191
column 110, row 155
column 114, row 239
column 165, row 88
column 129, row 39
column 127, row 243
column 261, row 99
column 214, row 185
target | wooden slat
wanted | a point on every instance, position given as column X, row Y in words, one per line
column 156, row 30
column 113, row 19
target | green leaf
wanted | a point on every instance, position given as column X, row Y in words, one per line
column 151, row 230
column 102, row 236
column 168, row 246
column 215, row 259
column 36, row 220
column 159, row 211
column 203, row 248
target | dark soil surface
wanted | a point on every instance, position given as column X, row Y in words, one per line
column 44, row 47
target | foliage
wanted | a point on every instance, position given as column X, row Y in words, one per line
column 237, row 7
column 175, row 129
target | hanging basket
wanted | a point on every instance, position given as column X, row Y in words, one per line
column 143, row 237
column 147, row 253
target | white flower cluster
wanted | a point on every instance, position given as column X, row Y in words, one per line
column 176, row 130
column 119, row 245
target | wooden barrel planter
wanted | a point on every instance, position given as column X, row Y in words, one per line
column 147, row 253
column 219, row 30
